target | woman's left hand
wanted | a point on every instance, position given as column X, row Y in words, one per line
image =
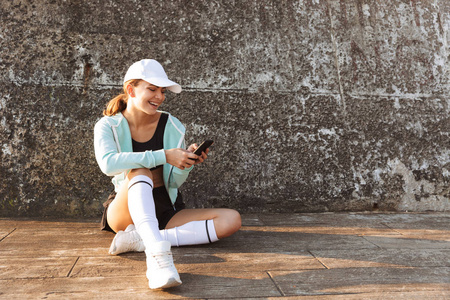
column 202, row 157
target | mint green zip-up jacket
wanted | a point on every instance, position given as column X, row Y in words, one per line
column 115, row 156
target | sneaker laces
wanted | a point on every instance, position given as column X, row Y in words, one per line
column 163, row 259
column 129, row 241
column 133, row 244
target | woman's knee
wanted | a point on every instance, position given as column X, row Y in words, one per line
column 235, row 219
column 141, row 171
column 230, row 222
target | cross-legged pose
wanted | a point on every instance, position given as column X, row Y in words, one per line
column 144, row 149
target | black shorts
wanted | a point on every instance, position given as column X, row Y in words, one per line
column 164, row 208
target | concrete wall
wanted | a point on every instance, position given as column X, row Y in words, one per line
column 315, row 105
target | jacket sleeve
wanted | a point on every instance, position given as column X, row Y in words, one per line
column 178, row 176
column 112, row 161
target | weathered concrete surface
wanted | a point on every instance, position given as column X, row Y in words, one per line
column 315, row 105
column 273, row 256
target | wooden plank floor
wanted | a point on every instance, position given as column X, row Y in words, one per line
column 273, row 256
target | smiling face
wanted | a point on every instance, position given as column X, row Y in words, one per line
column 146, row 97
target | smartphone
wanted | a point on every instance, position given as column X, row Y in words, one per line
column 203, row 146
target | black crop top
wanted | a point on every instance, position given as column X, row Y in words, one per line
column 157, row 140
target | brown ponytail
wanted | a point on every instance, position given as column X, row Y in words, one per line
column 119, row 103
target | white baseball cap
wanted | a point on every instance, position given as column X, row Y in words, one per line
column 151, row 71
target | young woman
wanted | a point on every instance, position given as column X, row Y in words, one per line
column 144, row 149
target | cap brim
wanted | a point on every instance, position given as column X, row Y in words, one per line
column 163, row 82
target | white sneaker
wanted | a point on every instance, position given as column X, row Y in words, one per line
column 161, row 271
column 126, row 241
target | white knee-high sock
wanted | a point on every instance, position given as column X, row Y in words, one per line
column 142, row 209
column 192, row 233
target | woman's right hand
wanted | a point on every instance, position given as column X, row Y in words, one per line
column 180, row 158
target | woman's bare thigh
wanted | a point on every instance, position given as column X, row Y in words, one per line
column 118, row 214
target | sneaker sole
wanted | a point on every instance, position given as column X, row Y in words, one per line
column 172, row 282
